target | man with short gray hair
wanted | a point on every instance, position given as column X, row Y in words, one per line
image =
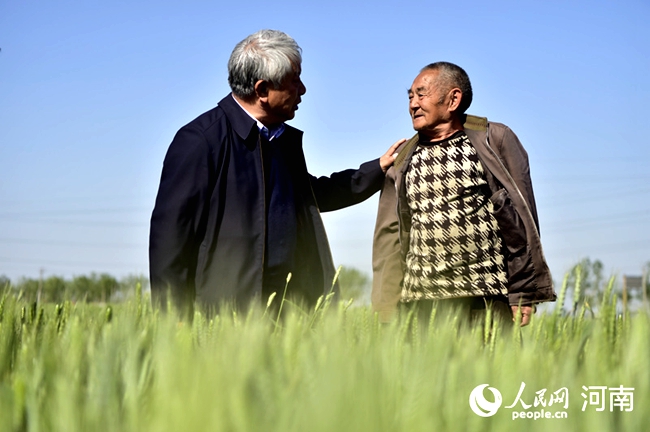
column 457, row 223
column 237, row 210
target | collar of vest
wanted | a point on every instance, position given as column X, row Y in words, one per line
column 475, row 123
column 472, row 122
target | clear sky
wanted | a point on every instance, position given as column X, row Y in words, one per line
column 92, row 93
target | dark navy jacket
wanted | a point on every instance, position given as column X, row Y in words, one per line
column 207, row 239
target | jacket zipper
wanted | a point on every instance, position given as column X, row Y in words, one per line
column 399, row 227
column 401, row 175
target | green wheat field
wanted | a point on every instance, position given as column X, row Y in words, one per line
column 125, row 367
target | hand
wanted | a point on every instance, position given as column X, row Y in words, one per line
column 526, row 312
column 389, row 157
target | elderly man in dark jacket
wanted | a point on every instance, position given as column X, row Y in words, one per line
column 237, row 210
column 457, row 222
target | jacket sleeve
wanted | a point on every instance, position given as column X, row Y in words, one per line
column 515, row 159
column 178, row 219
column 386, row 253
column 345, row 188
column 529, row 279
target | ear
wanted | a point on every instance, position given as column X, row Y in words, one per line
column 455, row 96
column 262, row 90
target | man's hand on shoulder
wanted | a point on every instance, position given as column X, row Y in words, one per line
column 389, row 157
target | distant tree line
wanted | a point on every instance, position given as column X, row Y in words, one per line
column 94, row 288
column 354, row 284
column 588, row 284
column 103, row 287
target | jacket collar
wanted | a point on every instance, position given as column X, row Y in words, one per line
column 476, row 136
column 241, row 122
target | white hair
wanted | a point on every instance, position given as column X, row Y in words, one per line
column 268, row 55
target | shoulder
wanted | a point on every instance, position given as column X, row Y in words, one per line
column 503, row 137
column 200, row 136
column 507, row 145
column 499, row 130
column 208, row 121
column 476, row 125
column 498, row 134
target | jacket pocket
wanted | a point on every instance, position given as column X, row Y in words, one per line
column 519, row 264
column 511, row 226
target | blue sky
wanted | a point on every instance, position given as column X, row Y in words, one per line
column 91, row 94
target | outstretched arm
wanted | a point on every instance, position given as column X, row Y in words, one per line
column 349, row 187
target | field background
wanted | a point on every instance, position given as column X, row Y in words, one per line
column 125, row 367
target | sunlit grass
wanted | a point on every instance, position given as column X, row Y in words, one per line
column 127, row 367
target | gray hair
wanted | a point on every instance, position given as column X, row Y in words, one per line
column 453, row 76
column 268, row 55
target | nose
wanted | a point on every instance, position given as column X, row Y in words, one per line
column 303, row 89
column 413, row 103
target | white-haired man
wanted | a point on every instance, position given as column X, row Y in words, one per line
column 237, row 210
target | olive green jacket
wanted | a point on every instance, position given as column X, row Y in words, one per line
column 506, row 165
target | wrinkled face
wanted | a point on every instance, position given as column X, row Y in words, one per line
column 427, row 106
column 283, row 101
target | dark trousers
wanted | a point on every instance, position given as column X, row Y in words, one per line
column 468, row 310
